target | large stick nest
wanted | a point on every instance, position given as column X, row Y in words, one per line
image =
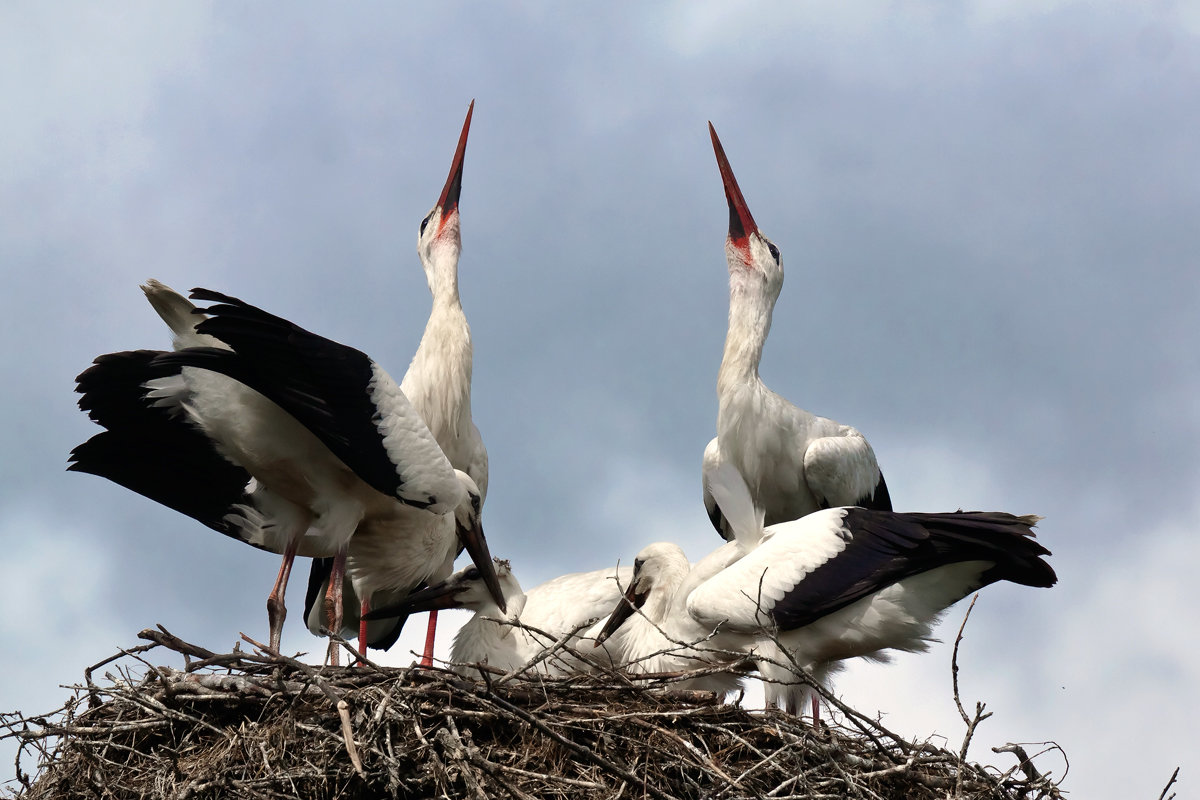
column 258, row 725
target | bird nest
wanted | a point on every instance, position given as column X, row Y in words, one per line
column 258, row 725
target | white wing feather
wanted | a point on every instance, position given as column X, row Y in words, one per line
column 841, row 470
column 732, row 495
column 422, row 466
column 743, row 594
column 178, row 312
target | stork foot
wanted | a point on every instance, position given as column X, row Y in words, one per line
column 276, row 614
column 333, row 604
column 276, row 611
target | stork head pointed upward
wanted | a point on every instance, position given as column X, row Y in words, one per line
column 439, row 241
column 448, row 202
column 741, row 222
column 746, row 249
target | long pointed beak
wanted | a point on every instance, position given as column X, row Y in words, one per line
column 741, row 223
column 624, row 610
column 433, row 598
column 448, row 202
column 477, row 548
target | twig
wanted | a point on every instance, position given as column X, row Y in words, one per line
column 1163, row 793
column 339, row 702
column 585, row 752
column 256, row 725
column 954, row 662
column 1026, row 764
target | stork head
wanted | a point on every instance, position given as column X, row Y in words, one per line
column 751, row 256
column 469, row 524
column 657, row 571
column 439, row 242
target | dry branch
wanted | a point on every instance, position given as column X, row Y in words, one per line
column 262, row 725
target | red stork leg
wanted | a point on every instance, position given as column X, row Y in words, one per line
column 333, row 603
column 362, row 628
column 427, row 656
column 276, row 611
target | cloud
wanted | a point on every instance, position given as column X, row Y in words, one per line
column 55, row 621
column 48, row 555
column 986, row 215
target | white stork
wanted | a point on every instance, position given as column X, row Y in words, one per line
column 793, row 461
column 836, row 584
column 562, row 608
column 317, row 423
column 438, row 381
column 150, row 446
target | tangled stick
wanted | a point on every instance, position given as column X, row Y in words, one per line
column 263, row 725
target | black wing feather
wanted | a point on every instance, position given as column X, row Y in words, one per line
column 880, row 499
column 151, row 450
column 883, row 548
column 718, row 519
column 112, row 391
column 325, row 385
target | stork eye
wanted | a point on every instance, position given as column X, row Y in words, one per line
column 425, row 222
column 774, row 251
column 471, row 574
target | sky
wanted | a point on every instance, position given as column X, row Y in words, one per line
column 986, row 212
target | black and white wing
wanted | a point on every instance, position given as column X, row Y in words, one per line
column 154, row 451
column 337, row 392
column 842, row 470
column 812, row 567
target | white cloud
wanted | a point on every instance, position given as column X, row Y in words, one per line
column 52, row 620
column 697, row 28
column 644, row 500
column 53, row 573
column 934, row 475
column 81, row 80
column 990, row 12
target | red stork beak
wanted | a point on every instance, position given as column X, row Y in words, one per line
column 448, row 202
column 741, row 223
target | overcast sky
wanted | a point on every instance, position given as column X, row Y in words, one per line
column 988, row 215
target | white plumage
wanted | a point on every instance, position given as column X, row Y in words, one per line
column 794, row 462
column 260, row 517
column 835, row 584
column 563, row 608
column 438, row 385
column 180, row 437
column 438, row 380
column 328, row 439
column 650, row 631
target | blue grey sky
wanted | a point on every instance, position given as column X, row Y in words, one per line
column 987, row 214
